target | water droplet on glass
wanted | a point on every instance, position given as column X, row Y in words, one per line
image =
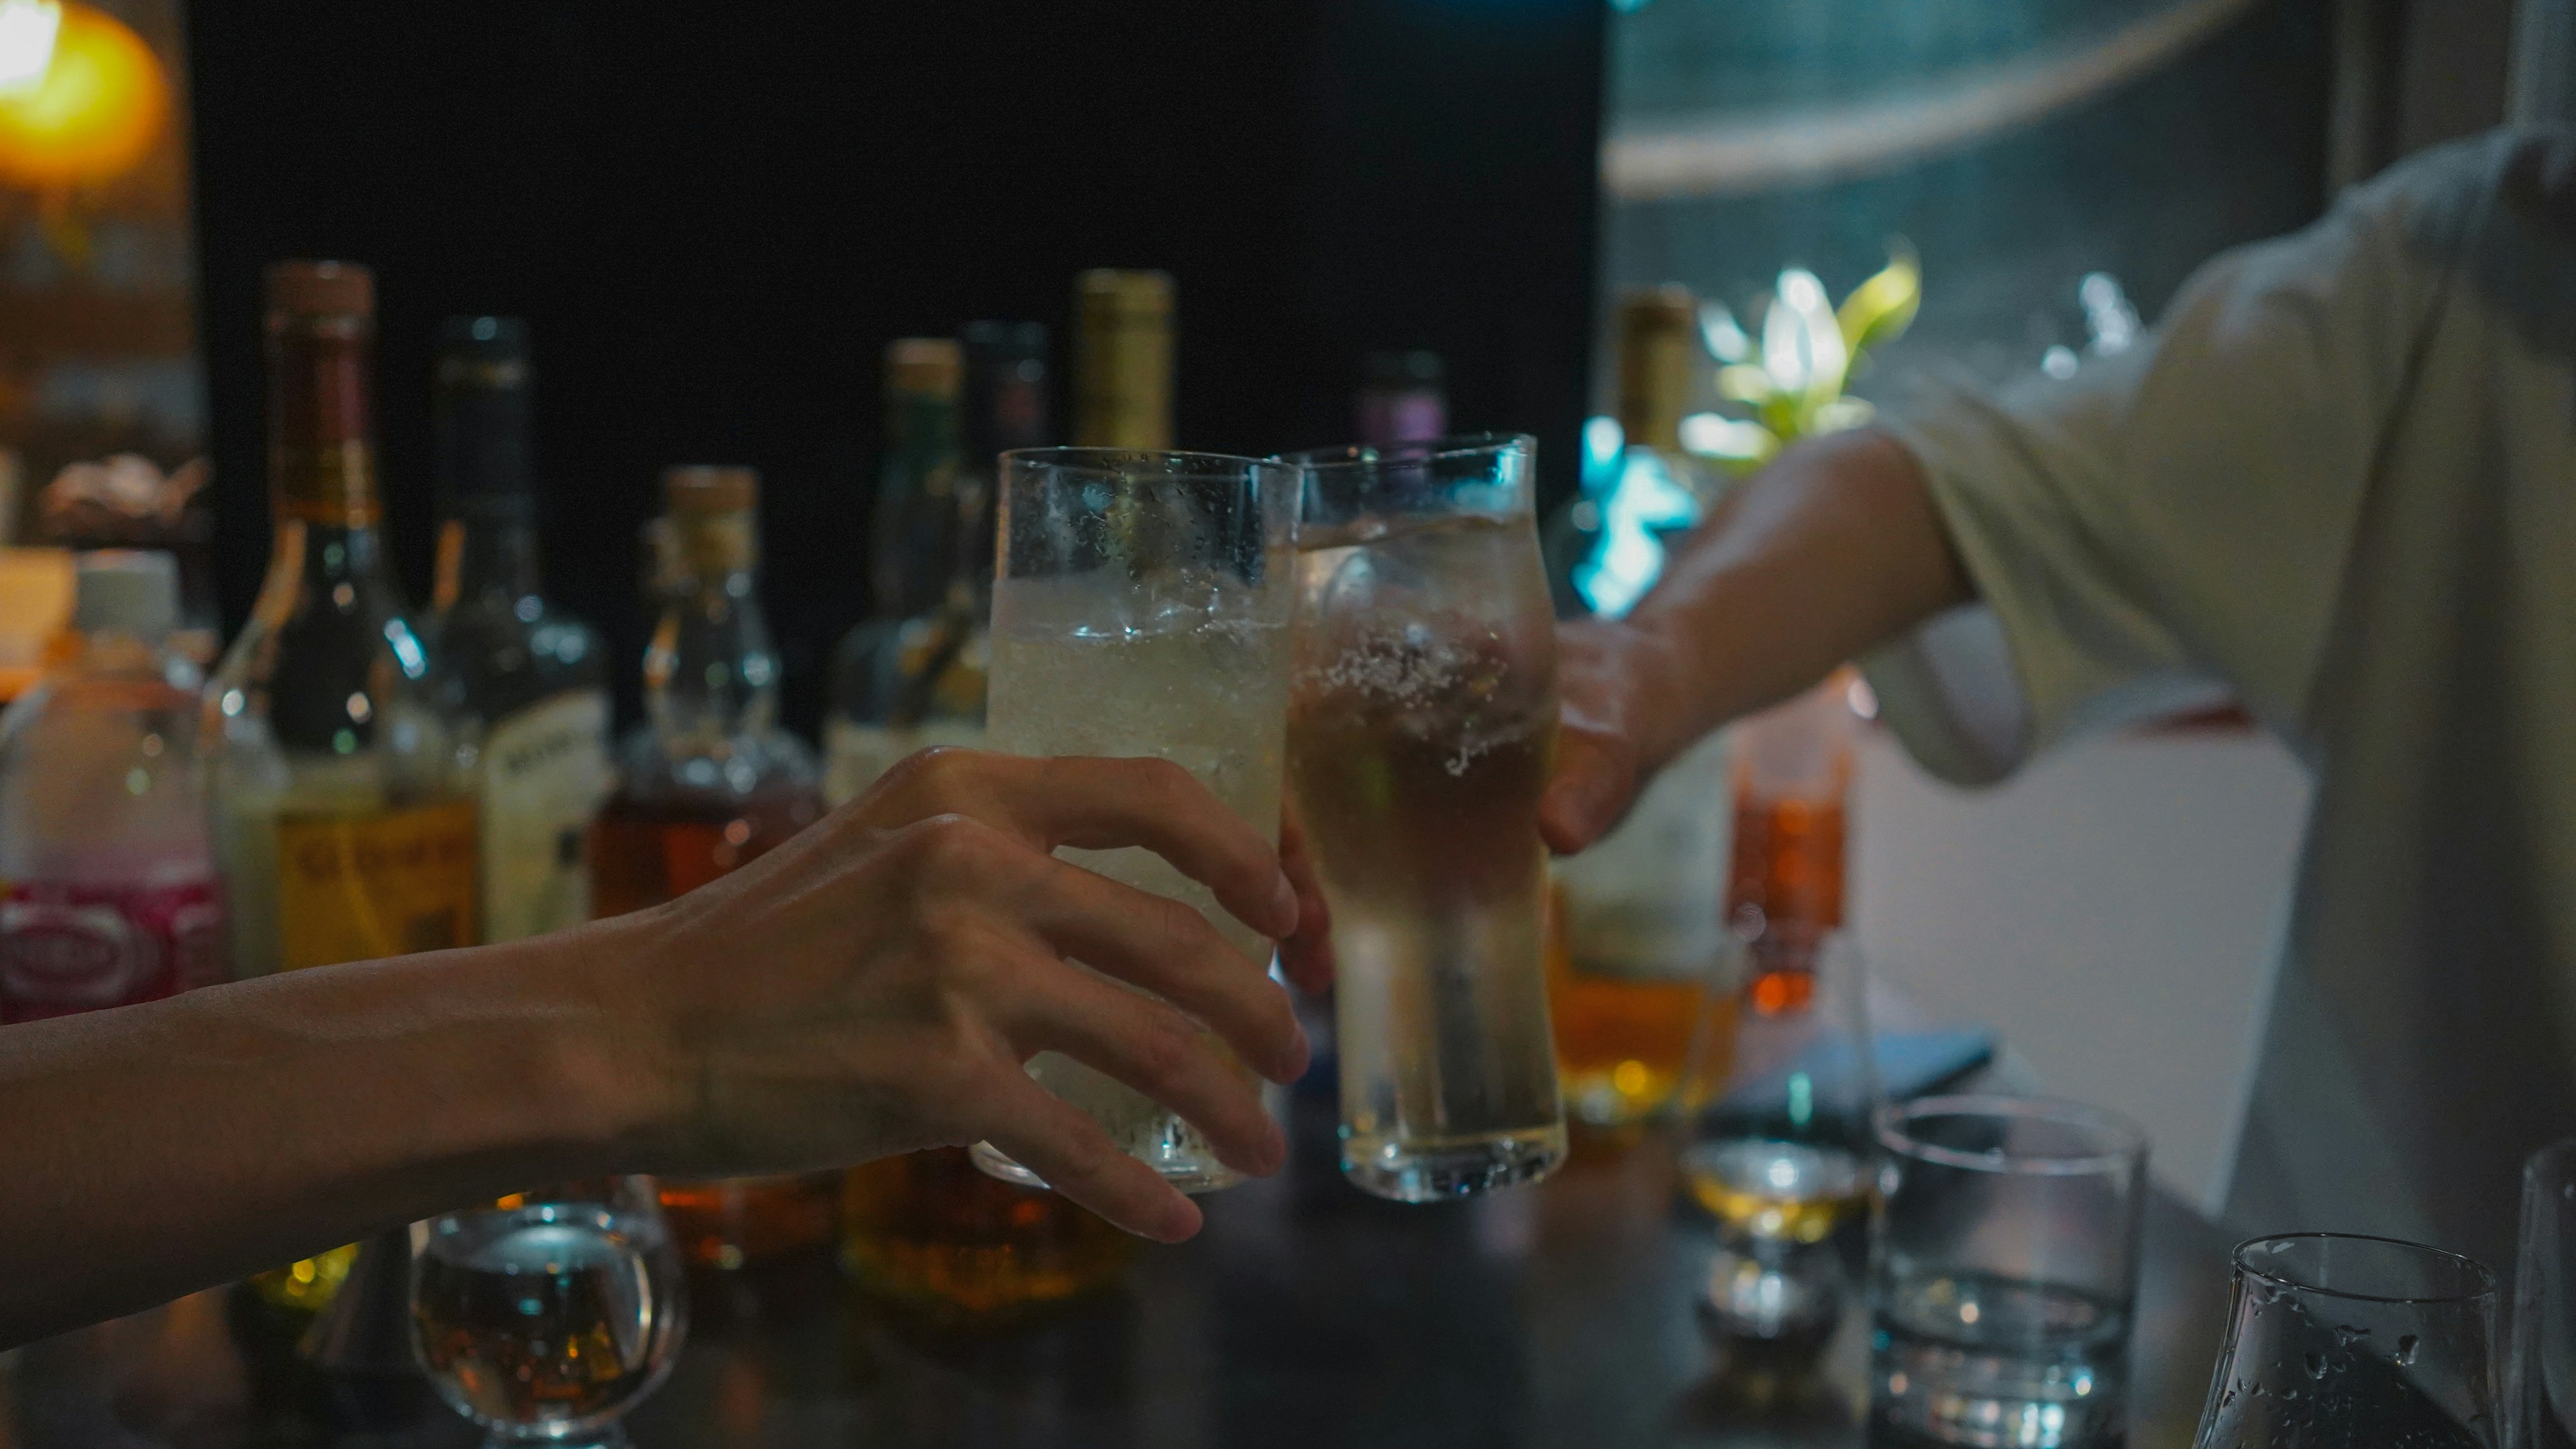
column 2406, row 1348
column 2316, row 1365
column 2346, row 1335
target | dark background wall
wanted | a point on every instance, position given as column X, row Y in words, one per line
column 715, row 217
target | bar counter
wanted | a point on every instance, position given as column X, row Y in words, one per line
column 1555, row 1317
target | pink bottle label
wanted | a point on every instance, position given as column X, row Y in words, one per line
column 68, row 947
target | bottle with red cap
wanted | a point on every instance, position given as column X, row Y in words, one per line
column 111, row 895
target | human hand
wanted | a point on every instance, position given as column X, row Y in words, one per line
column 1616, row 705
column 876, row 984
column 1306, row 955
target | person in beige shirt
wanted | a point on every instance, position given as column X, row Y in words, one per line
column 2339, row 478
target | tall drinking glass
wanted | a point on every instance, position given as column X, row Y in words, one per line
column 1141, row 606
column 2006, row 1270
column 1420, row 729
column 2334, row 1339
column 2540, row 1382
column 545, row 1316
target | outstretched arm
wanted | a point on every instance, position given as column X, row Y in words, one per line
column 1833, row 548
column 873, row 986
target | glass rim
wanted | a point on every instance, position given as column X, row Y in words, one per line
column 2126, row 1140
column 2477, row 1272
column 1426, row 450
column 1111, row 460
column 2555, row 1156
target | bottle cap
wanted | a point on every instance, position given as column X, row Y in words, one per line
column 323, row 289
column 1403, row 369
column 1107, row 290
column 1658, row 343
column 924, row 367
column 997, row 339
column 481, row 340
column 703, row 488
column 127, row 591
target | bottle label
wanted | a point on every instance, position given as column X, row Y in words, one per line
column 1646, row 902
column 359, row 887
column 854, row 755
column 68, row 947
column 545, row 771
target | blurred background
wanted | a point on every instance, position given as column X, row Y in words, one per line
column 714, row 218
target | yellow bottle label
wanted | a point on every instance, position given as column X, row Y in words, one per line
column 360, row 887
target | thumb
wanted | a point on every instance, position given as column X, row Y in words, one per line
column 1586, row 796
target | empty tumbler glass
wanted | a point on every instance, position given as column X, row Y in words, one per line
column 2334, row 1339
column 2006, row 1268
column 545, row 1316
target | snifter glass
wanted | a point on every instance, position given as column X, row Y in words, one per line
column 1421, row 725
column 2338, row 1339
column 1141, row 606
column 545, row 1316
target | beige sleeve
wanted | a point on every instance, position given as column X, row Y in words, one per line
column 2180, row 514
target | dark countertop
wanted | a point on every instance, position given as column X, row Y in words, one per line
column 1306, row 1314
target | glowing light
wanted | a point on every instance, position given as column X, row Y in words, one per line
column 2058, row 362
column 27, row 31
column 86, row 105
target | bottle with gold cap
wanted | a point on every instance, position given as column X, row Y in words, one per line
column 911, row 675
column 344, row 824
column 706, row 784
column 1122, row 359
column 1638, row 925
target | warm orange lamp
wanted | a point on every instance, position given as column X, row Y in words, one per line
column 85, row 113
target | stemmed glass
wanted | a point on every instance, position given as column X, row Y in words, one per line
column 545, row 1316
column 2338, row 1339
column 1777, row 1104
column 2540, row 1383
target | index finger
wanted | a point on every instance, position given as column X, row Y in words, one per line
column 1106, row 804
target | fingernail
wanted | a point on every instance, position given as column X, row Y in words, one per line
column 1283, row 907
column 1277, row 1153
column 1301, row 1055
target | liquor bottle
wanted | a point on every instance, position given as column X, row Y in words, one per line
column 530, row 681
column 110, row 893
column 913, row 675
column 928, row 1230
column 1642, row 909
column 707, row 784
column 1122, row 359
column 1793, row 774
column 1402, row 398
column 345, row 829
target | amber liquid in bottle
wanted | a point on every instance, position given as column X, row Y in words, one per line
column 706, row 787
column 1624, row 1037
column 930, row 1231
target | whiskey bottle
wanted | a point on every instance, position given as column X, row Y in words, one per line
column 912, row 675
column 530, row 682
column 707, row 784
column 345, row 827
column 1642, row 911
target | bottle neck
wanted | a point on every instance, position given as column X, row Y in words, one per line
column 1123, row 380
column 321, row 453
column 711, row 673
column 487, row 553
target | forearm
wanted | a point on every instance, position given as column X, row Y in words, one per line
column 1832, row 549
column 157, row 1149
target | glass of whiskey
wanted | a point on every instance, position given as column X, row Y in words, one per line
column 545, row 1316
